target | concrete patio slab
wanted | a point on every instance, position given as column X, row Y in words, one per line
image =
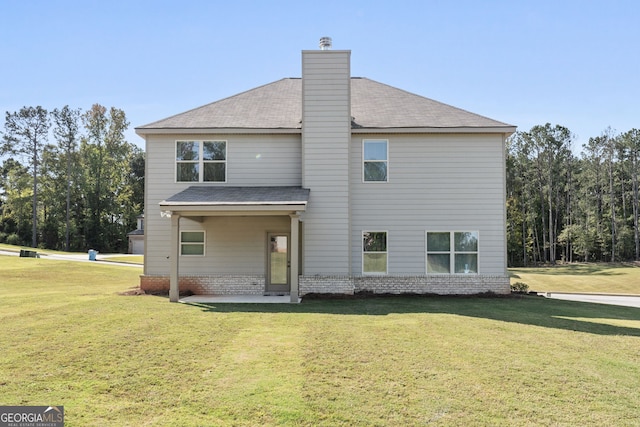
column 238, row 299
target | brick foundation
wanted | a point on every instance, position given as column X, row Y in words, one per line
column 207, row 284
column 433, row 284
column 254, row 284
column 426, row 284
column 325, row 285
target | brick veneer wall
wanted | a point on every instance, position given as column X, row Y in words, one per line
column 254, row 284
column 427, row 284
column 207, row 284
column 434, row 284
column 325, row 285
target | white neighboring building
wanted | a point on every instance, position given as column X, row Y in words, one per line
column 136, row 237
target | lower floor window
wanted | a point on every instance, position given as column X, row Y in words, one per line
column 374, row 252
column 192, row 243
column 455, row 251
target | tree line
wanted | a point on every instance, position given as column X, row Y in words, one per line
column 69, row 180
column 567, row 207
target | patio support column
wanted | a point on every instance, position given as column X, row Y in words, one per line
column 174, row 288
column 295, row 253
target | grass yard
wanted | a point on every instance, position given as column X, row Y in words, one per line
column 127, row 259
column 15, row 248
column 69, row 339
column 122, row 258
column 601, row 277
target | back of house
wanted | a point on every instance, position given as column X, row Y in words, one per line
column 325, row 184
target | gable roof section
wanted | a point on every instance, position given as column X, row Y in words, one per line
column 277, row 106
column 377, row 105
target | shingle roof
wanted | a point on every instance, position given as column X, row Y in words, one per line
column 203, row 195
column 377, row 105
column 278, row 105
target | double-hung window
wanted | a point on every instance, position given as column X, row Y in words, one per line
column 449, row 252
column 374, row 252
column 192, row 243
column 375, row 159
column 201, row 161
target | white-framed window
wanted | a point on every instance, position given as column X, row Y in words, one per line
column 201, row 161
column 192, row 243
column 375, row 160
column 450, row 252
column 374, row 252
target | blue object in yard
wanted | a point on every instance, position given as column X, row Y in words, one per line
column 92, row 255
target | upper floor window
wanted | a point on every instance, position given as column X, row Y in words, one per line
column 375, row 155
column 201, row 161
column 455, row 252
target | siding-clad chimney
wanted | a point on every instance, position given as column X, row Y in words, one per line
column 326, row 136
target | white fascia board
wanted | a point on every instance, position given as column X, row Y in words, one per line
column 208, row 131
column 226, row 207
column 195, row 211
column 507, row 130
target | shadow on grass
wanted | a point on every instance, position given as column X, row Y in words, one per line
column 526, row 310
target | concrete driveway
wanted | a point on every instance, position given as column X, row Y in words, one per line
column 625, row 300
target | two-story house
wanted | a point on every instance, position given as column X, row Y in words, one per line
column 325, row 184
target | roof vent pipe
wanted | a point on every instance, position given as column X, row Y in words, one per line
column 325, row 43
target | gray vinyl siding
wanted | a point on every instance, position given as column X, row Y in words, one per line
column 326, row 132
column 252, row 160
column 436, row 183
column 235, row 245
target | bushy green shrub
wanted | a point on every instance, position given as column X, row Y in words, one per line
column 519, row 287
column 12, row 239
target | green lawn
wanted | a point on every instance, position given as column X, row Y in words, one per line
column 604, row 278
column 127, row 259
column 14, row 248
column 68, row 338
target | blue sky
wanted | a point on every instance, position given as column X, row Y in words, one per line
column 568, row 62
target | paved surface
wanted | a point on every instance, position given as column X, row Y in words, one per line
column 625, row 300
column 238, row 299
column 80, row 258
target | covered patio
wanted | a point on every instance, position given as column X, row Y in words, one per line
column 199, row 202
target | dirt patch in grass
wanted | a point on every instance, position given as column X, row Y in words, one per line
column 133, row 292
column 137, row 291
